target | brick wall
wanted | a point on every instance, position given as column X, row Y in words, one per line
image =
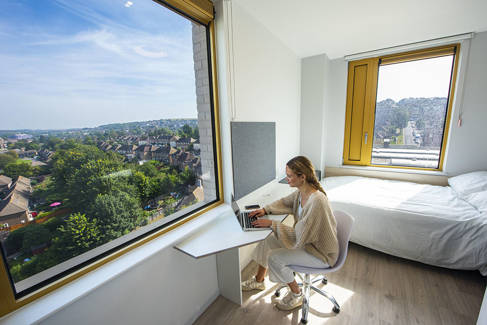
column 200, row 56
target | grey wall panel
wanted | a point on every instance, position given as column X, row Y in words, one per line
column 253, row 155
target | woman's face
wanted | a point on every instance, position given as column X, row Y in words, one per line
column 292, row 179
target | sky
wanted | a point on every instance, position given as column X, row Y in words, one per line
column 84, row 63
column 422, row 78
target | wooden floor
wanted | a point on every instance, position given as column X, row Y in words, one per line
column 371, row 288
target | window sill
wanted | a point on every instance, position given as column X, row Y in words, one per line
column 49, row 304
column 397, row 170
column 408, row 175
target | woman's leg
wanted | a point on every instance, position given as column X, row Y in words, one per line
column 280, row 259
column 261, row 255
column 260, row 273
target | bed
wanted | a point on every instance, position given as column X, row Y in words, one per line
column 438, row 225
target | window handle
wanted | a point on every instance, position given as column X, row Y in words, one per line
column 365, row 137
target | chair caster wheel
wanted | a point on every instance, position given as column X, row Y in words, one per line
column 277, row 293
column 324, row 281
column 336, row 310
column 304, row 321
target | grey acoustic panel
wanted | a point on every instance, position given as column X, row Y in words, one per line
column 253, row 155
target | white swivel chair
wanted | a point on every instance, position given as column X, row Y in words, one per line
column 344, row 229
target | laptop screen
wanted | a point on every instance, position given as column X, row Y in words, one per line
column 235, row 207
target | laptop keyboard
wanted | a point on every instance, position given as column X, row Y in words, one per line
column 248, row 220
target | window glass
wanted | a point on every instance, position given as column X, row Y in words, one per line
column 410, row 112
column 106, row 130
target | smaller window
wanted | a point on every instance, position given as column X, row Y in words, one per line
column 398, row 109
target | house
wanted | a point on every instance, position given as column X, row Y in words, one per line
column 14, row 208
column 184, row 143
column 3, row 144
column 283, row 61
column 5, row 183
column 162, row 153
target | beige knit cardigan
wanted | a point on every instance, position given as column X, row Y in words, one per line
column 315, row 229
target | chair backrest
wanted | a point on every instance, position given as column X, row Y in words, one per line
column 344, row 230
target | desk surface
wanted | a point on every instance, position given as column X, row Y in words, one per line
column 222, row 234
column 225, row 232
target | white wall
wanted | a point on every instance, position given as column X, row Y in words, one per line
column 313, row 97
column 168, row 288
column 466, row 150
column 267, row 83
column 259, row 81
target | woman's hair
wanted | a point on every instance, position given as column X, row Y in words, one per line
column 301, row 165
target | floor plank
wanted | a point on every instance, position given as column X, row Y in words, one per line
column 371, row 288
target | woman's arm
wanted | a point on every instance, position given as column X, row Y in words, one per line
column 284, row 205
column 308, row 228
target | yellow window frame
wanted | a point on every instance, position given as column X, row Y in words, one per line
column 361, row 101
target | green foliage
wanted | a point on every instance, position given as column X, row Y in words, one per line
column 14, row 241
column 400, row 118
column 186, row 131
column 78, row 235
column 161, row 131
column 34, row 235
column 79, row 173
column 420, row 124
column 117, row 213
column 6, row 159
column 149, row 168
column 18, row 168
column 51, row 142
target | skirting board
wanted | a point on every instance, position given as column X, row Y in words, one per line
column 400, row 176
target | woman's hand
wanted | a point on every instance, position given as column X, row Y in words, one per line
column 257, row 213
column 262, row 223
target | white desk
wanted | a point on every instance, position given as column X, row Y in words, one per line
column 223, row 237
column 223, row 234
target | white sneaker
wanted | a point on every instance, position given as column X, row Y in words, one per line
column 252, row 284
column 290, row 301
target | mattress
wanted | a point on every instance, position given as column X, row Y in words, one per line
column 425, row 223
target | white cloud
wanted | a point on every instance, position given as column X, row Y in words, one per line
column 149, row 54
column 107, row 69
column 128, row 4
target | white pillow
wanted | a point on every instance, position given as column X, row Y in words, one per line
column 469, row 183
column 478, row 200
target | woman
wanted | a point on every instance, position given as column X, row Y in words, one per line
column 311, row 242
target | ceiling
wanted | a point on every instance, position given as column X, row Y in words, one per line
column 338, row 28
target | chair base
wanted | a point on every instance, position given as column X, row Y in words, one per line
column 307, row 285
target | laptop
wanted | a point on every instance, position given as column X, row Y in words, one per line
column 244, row 219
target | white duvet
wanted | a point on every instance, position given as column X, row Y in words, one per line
column 425, row 223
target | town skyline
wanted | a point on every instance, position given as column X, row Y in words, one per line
column 94, row 127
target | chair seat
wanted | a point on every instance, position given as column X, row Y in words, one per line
column 311, row 270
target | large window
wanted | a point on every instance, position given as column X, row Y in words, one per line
column 398, row 108
column 107, row 131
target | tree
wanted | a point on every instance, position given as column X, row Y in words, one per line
column 35, row 235
column 81, row 173
column 13, row 243
column 117, row 214
column 18, row 168
column 420, row 124
column 400, row 118
column 6, row 159
column 79, row 234
column 12, row 154
column 149, row 168
column 185, row 131
column 196, row 133
column 187, row 176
